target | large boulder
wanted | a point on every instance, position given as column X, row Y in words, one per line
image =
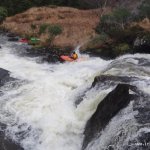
column 112, row 79
column 4, row 76
column 106, row 81
column 106, row 110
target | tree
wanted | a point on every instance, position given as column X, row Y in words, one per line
column 43, row 28
column 102, row 4
column 121, row 16
column 117, row 19
column 3, row 14
column 144, row 9
column 53, row 31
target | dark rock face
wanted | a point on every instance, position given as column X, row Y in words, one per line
column 106, row 110
column 112, row 79
column 104, row 52
column 5, row 143
column 12, row 35
column 13, row 39
column 47, row 54
column 106, row 81
column 145, row 48
column 4, row 76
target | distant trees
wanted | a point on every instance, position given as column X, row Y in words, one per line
column 116, row 20
column 102, row 4
column 3, row 14
column 16, row 6
column 144, row 9
column 121, row 17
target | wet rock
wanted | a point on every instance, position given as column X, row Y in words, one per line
column 145, row 48
column 81, row 96
column 11, row 35
column 4, row 76
column 142, row 45
column 112, row 79
column 142, row 105
column 109, row 80
column 47, row 54
column 8, row 144
column 13, row 39
column 141, row 142
column 106, row 81
column 104, row 52
column 106, row 110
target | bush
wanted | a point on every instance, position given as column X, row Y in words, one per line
column 121, row 16
column 106, row 21
column 3, row 14
column 114, row 23
column 121, row 49
column 43, row 28
column 97, row 41
column 144, row 9
column 54, row 30
column 33, row 26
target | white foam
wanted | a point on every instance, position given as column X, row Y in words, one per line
column 46, row 102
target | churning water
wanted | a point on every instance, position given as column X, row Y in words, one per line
column 40, row 110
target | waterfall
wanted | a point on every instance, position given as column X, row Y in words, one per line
column 41, row 113
column 40, row 110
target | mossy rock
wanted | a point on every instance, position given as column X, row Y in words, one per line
column 121, row 49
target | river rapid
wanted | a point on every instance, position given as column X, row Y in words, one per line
column 40, row 108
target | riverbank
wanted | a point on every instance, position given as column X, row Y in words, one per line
column 61, row 29
column 77, row 25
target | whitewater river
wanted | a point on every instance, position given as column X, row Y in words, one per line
column 40, row 110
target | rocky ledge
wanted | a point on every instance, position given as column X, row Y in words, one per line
column 121, row 118
column 5, row 142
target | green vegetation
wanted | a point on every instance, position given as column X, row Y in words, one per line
column 117, row 27
column 122, row 48
column 43, row 28
column 53, row 30
column 144, row 10
column 17, row 6
column 3, row 14
column 121, row 17
column 116, row 21
column 33, row 26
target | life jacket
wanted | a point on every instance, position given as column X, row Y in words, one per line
column 74, row 56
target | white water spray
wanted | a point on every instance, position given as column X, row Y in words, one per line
column 44, row 106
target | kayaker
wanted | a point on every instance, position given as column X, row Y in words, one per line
column 74, row 56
